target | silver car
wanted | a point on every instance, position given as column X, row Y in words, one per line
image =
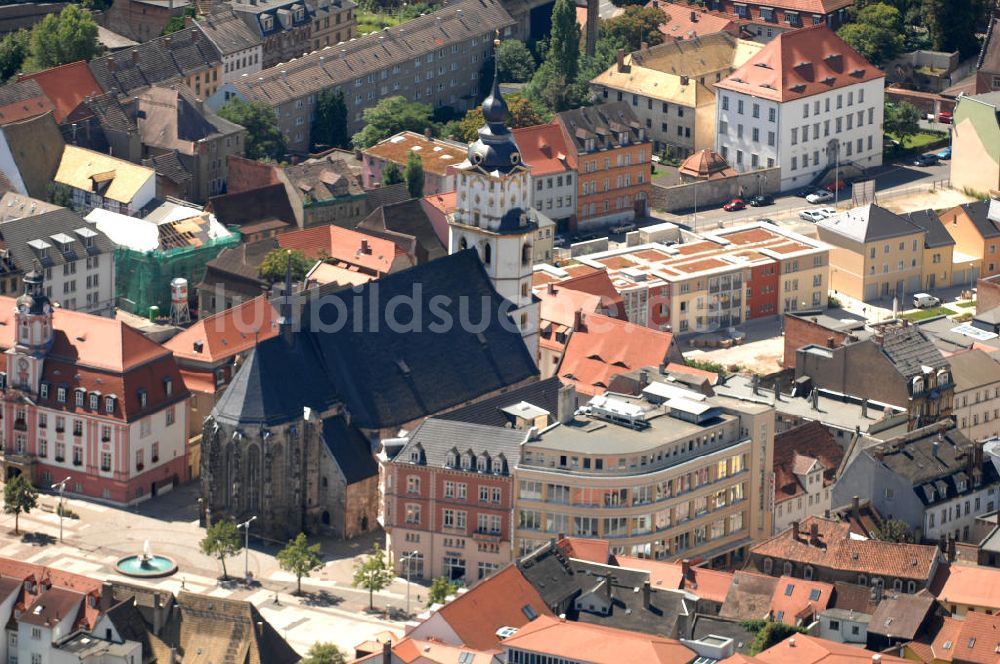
column 820, row 196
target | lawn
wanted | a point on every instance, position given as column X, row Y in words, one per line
column 923, row 314
column 374, row 22
column 968, row 304
column 920, row 140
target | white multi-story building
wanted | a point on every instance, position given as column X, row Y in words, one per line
column 806, row 102
column 976, row 408
column 553, row 178
column 241, row 48
column 494, row 216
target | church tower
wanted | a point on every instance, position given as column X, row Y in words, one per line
column 493, row 214
column 33, row 335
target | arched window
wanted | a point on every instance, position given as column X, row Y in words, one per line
column 807, row 573
column 526, row 255
column 487, row 254
column 787, row 569
column 911, row 586
column 897, row 585
column 768, row 565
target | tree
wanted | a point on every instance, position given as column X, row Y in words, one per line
column 177, row 22
column 522, row 113
column 264, row 139
column 67, row 37
column 770, row 634
column 877, row 33
column 13, row 51
column 391, row 174
column 414, row 175
column 389, row 117
column 373, row 573
column 300, row 558
column 902, row 120
column 275, row 264
column 60, row 194
column 952, row 24
column 634, row 26
column 330, row 127
column 324, row 653
column 19, row 497
column 222, row 539
column 515, row 62
column 564, row 40
column 552, row 90
column 894, row 530
column 440, row 589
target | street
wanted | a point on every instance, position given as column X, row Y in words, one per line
column 330, row 609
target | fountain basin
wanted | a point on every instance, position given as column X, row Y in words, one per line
column 145, row 566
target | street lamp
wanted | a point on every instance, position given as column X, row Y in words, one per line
column 406, row 559
column 246, row 546
column 62, row 487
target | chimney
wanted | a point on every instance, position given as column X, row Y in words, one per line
column 174, row 659
column 795, row 530
column 755, row 383
column 864, row 409
column 686, row 568
column 365, row 248
column 814, row 533
column 694, row 16
column 856, row 507
column 643, row 378
column 643, row 46
column 936, row 446
column 876, row 658
column 831, row 342
column 551, row 288
column 428, row 134
column 566, row 404
column 578, row 323
column 387, row 652
column 621, row 60
column 107, row 596
column 135, row 53
column 645, row 594
column 159, row 617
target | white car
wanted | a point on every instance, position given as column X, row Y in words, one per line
column 812, row 215
column 924, row 300
column 827, row 212
column 820, row 196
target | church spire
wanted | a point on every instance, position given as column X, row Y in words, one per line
column 495, row 149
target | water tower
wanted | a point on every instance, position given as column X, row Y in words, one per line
column 179, row 311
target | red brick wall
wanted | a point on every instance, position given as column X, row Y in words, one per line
column 247, row 174
column 799, row 333
column 763, row 286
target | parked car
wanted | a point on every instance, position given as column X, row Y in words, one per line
column 926, row 160
column 802, row 193
column 826, row 211
column 839, row 185
column 945, row 117
column 761, row 200
column 560, row 241
column 924, row 300
column 945, row 154
column 624, row 228
column 734, row 205
column 812, row 215
column 820, row 196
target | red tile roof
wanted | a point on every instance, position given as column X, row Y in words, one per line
column 57, row 579
column 801, row 63
column 227, row 333
column 979, row 639
column 580, row 548
column 709, row 584
column 66, row 86
column 605, row 346
column 343, row 245
column 805, row 649
column 101, row 355
column 544, row 149
column 677, row 368
column 23, row 100
column 445, row 203
column 420, row 651
column 559, row 305
column 797, row 601
column 838, row 551
column 796, row 450
column 495, row 602
column 597, row 282
column 968, row 585
column 596, row 643
column 679, row 23
column 940, row 645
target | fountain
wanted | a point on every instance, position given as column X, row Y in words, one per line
column 146, row 565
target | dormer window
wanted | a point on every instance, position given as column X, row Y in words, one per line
column 961, row 485
column 267, row 22
column 109, row 404
column 78, row 397
column 483, row 463
column 168, row 386
column 95, row 399
column 142, row 398
column 452, row 459
column 3, row 380
column 43, row 390
column 61, row 394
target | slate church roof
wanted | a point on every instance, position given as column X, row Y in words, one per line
column 385, row 376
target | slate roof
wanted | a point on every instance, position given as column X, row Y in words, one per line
column 706, row 625
column 455, row 23
column 171, row 58
column 239, row 268
column 227, row 31
column 868, row 223
column 436, row 437
column 406, row 223
column 973, row 369
column 350, row 448
column 169, row 165
column 129, row 624
column 602, row 123
column 901, row 615
column 385, row 378
column 749, row 596
column 909, row 349
column 254, row 206
column 542, row 393
column 37, row 147
column 387, row 195
column 110, row 113
column 66, row 86
column 22, row 100
column 989, row 55
column 937, row 235
column 978, row 213
column 16, row 233
column 169, row 117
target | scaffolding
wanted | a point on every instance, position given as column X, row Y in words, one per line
column 142, row 278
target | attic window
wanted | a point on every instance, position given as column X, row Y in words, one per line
column 109, row 404
column 814, row 594
column 79, row 397
column 94, row 400
column 528, row 612
column 168, row 386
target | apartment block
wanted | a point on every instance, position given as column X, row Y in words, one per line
column 666, row 475
column 718, row 280
column 553, row 171
column 766, row 20
column 805, row 103
column 288, row 29
column 612, row 152
column 434, row 59
column 241, row 47
column 671, row 87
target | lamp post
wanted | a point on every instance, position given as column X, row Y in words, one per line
column 62, row 488
column 406, row 559
column 246, row 546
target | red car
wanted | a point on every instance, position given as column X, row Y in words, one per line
column 839, row 185
column 945, row 117
column 734, row 205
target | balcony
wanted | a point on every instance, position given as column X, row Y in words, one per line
column 486, row 535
